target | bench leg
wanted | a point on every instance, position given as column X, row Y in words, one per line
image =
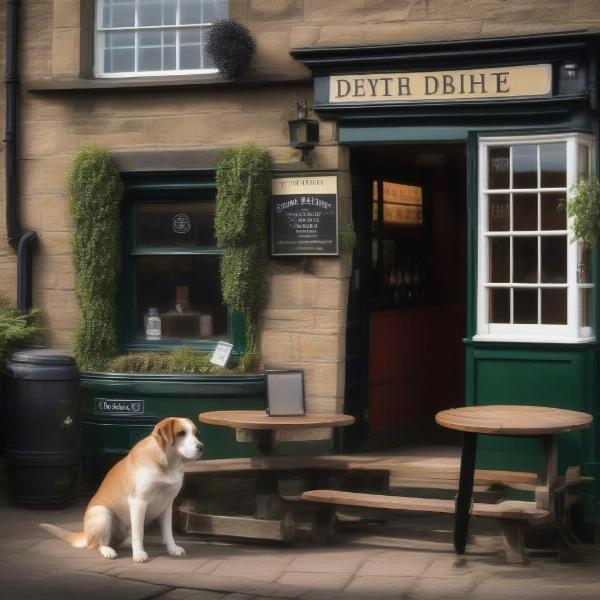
column 565, row 539
column 268, row 501
column 323, row 525
column 513, row 538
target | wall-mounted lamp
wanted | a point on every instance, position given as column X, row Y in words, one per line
column 304, row 133
column 570, row 70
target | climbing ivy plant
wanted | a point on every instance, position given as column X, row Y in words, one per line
column 243, row 191
column 95, row 191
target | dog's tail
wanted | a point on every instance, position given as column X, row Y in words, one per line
column 77, row 540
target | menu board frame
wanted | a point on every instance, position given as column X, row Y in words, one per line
column 304, row 215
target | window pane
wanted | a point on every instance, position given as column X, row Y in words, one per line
column 585, row 298
column 525, row 212
column 525, row 263
column 554, row 211
column 150, row 51
column 554, row 307
column 207, row 60
column 149, row 12
column 180, row 224
column 525, row 306
column 190, row 49
column 190, row 12
column 209, row 11
column 149, row 59
column 499, row 260
column 169, row 12
column 222, row 6
column 186, row 292
column 554, row 259
column 213, row 10
column 553, row 160
column 499, row 305
column 169, row 51
column 583, row 161
column 498, row 212
column 524, row 166
column 119, row 54
column 118, row 13
column 584, row 264
column 120, row 39
column 498, row 168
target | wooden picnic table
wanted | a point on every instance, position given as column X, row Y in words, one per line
column 508, row 420
column 258, row 427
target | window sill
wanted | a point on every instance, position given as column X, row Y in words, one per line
column 499, row 339
column 167, row 346
column 80, row 84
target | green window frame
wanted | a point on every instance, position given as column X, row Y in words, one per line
column 165, row 186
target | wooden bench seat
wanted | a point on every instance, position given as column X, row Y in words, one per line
column 507, row 509
column 512, row 515
column 401, row 474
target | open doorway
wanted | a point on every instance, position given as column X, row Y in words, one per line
column 411, row 205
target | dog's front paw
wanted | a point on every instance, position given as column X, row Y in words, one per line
column 140, row 556
column 176, row 551
column 108, row 552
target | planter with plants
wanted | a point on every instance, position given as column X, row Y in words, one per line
column 124, row 395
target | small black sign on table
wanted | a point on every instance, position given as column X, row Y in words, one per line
column 304, row 216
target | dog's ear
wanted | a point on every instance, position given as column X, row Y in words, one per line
column 165, row 432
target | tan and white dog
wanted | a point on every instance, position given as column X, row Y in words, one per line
column 140, row 488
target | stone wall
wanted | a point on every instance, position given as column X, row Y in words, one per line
column 304, row 322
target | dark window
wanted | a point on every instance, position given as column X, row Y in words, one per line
column 171, row 280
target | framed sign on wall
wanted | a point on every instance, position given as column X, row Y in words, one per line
column 304, row 216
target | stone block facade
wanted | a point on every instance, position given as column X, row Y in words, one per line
column 180, row 126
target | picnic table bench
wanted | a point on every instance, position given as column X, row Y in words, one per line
column 514, row 517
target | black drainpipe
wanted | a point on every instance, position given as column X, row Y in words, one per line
column 22, row 241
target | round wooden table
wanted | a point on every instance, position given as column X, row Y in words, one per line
column 259, row 427
column 265, row 425
column 509, row 420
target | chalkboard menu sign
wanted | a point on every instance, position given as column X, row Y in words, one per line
column 304, row 216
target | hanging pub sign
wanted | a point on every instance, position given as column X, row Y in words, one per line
column 304, row 216
column 427, row 86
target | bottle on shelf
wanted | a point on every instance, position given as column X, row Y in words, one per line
column 152, row 324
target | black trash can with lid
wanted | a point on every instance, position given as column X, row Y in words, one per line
column 42, row 427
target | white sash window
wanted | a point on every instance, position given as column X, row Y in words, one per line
column 534, row 281
column 154, row 37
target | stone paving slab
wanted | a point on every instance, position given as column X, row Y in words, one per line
column 408, row 557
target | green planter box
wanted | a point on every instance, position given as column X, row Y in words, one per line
column 119, row 409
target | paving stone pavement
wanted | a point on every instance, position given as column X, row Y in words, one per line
column 408, row 557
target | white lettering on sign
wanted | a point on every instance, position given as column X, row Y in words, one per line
column 120, row 406
column 466, row 84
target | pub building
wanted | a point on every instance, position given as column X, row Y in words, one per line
column 446, row 134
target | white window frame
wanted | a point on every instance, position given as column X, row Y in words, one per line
column 99, row 46
column 572, row 331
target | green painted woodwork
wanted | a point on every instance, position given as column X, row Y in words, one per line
column 556, row 375
column 107, row 438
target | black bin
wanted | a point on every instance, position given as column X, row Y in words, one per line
column 42, row 427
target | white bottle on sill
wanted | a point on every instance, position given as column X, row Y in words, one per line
column 153, row 324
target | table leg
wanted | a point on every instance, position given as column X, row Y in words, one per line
column 464, row 496
column 546, row 482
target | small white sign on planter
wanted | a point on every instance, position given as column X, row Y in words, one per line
column 221, row 354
